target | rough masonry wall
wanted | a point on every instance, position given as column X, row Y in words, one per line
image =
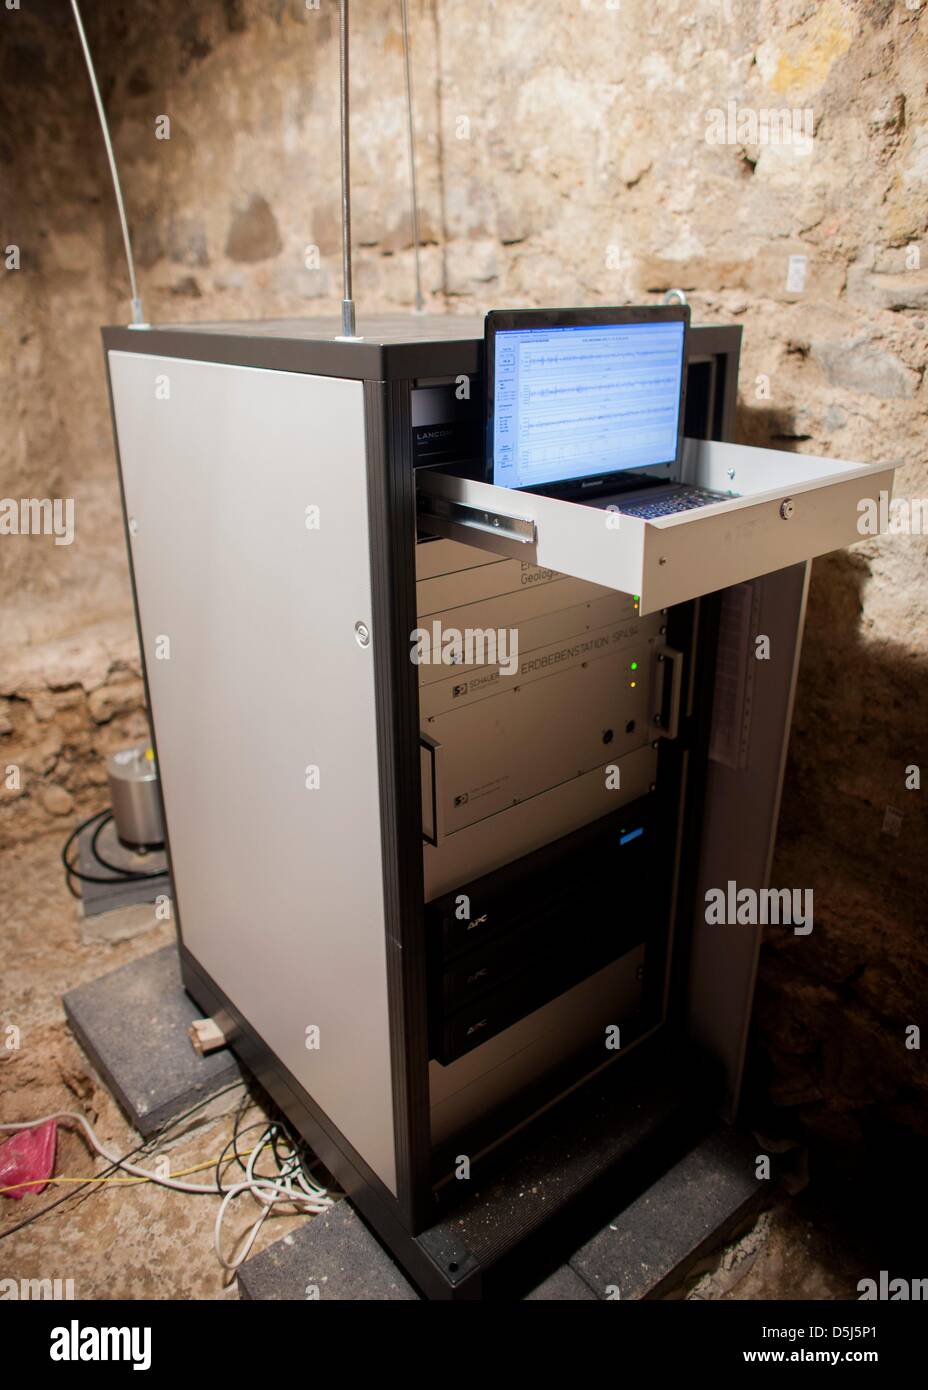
column 592, row 152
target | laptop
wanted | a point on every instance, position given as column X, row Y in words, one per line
column 587, row 405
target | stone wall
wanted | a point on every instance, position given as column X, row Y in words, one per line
column 567, row 153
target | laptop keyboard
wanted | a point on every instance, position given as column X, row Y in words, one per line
column 667, row 506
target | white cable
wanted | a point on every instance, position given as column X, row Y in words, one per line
column 308, row 1198
column 311, row 1200
column 411, row 140
column 138, row 318
column 116, row 1162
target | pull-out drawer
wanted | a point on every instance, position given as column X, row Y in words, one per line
column 788, row 508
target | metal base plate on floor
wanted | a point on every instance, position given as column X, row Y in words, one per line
column 118, row 892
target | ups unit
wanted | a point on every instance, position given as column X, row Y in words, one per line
column 447, row 770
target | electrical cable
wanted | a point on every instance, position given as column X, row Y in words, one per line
column 122, row 875
column 282, row 1130
column 242, row 1107
column 348, row 310
column 118, row 868
column 289, row 1186
column 11, row 1230
column 138, row 318
column 236, row 1156
column 290, row 1165
column 269, row 1192
column 411, row 139
column 156, row 1138
column 124, row 1182
column 72, row 1117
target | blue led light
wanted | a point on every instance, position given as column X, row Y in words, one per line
column 631, row 835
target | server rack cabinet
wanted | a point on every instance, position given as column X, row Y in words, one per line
column 295, row 506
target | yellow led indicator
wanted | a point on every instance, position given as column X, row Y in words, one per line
column 633, row 684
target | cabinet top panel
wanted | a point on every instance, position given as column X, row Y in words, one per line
column 388, row 347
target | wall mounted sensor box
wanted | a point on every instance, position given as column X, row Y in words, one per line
column 461, row 893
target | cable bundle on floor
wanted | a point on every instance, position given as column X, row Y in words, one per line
column 289, row 1185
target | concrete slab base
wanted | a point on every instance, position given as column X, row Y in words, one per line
column 691, row 1210
column 334, row 1256
column 643, row 1252
column 133, row 1026
column 563, row 1286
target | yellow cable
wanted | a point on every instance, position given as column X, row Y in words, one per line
column 128, row 1182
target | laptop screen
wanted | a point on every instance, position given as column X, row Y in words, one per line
column 580, row 400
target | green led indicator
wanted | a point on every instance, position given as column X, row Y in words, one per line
column 634, row 665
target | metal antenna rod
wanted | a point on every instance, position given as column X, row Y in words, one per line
column 410, row 124
column 348, row 316
column 138, row 318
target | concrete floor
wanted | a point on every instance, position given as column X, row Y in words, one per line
column 118, row 1241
